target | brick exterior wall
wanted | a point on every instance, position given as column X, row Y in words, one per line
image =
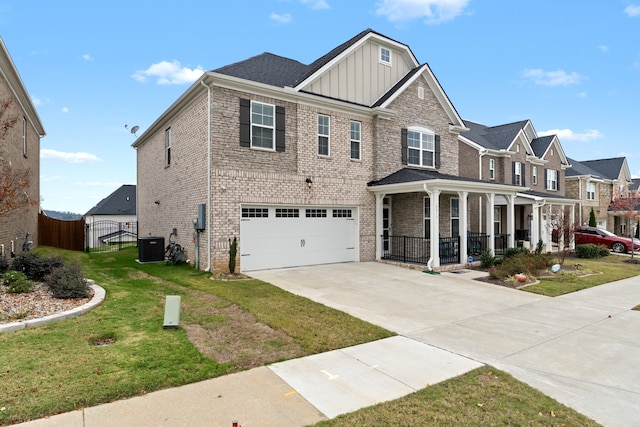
column 241, row 175
column 14, row 225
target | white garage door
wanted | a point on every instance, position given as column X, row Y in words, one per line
column 278, row 236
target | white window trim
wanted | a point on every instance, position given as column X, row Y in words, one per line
column 591, row 190
column 422, row 149
column 24, row 136
column 384, row 61
column 327, row 135
column 534, row 175
column 352, row 140
column 518, row 173
column 497, row 219
column 492, row 169
column 552, row 178
column 167, row 146
column 454, row 218
column 426, row 204
column 260, row 125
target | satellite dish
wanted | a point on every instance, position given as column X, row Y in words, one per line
column 135, row 129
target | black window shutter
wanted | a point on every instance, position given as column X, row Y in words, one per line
column 405, row 145
column 437, row 151
column 245, row 123
column 558, row 180
column 513, row 173
column 546, row 179
column 280, row 128
column 523, row 175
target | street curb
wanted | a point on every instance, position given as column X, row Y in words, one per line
column 98, row 297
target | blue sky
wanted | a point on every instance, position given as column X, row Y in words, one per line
column 571, row 67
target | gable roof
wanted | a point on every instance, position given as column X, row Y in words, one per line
column 120, row 202
column 266, row 68
column 601, row 168
column 541, row 144
column 493, row 137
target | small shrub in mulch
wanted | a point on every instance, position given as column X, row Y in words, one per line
column 589, row 250
column 529, row 264
column 68, row 282
column 17, row 282
column 35, row 267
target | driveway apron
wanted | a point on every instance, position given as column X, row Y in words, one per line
column 582, row 349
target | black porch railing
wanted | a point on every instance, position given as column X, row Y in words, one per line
column 416, row 250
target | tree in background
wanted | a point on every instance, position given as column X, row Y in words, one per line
column 592, row 219
column 563, row 233
column 14, row 182
column 627, row 205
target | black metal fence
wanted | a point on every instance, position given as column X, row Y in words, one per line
column 108, row 236
column 406, row 249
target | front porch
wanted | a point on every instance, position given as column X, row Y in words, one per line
column 417, row 250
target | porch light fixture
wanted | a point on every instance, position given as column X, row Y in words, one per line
column 157, row 202
column 309, row 182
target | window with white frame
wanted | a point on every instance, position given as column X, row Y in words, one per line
column 591, row 191
column 385, row 56
column 497, row 220
column 167, row 146
column 262, row 125
column 534, row 175
column 323, row 134
column 24, row 136
column 517, row 173
column 552, row 179
column 355, row 140
column 455, row 217
column 492, row 169
column 421, row 148
column 427, row 218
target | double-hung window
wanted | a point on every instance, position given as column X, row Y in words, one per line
column 591, row 191
column 534, row 175
column 517, row 173
column 420, row 148
column 427, row 218
column 552, row 179
column 355, row 140
column 262, row 125
column 167, row 146
column 492, row 169
column 24, row 136
column 455, row 217
column 323, row 135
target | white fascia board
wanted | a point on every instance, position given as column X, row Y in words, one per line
column 445, row 185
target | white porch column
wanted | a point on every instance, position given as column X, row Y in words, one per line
column 379, row 224
column 491, row 198
column 535, row 225
column 511, row 220
column 464, row 227
column 434, row 204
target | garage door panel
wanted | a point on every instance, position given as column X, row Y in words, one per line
column 275, row 242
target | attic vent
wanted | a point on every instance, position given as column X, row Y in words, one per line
column 420, row 92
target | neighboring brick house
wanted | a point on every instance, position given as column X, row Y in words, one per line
column 350, row 158
column 596, row 183
column 113, row 220
column 20, row 150
column 514, row 154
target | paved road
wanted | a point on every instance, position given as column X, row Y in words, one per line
column 582, row 349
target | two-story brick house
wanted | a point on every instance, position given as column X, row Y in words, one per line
column 514, row 154
column 354, row 157
column 596, row 183
column 20, row 154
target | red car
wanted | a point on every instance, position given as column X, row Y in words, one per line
column 598, row 236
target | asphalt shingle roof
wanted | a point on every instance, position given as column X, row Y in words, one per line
column 266, row 68
column 120, row 202
column 603, row 168
column 414, row 175
column 493, row 137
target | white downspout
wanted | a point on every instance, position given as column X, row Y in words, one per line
column 209, row 198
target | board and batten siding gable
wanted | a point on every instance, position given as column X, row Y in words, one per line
column 360, row 77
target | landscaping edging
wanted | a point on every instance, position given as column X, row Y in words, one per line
column 98, row 296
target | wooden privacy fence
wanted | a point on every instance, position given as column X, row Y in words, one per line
column 61, row 234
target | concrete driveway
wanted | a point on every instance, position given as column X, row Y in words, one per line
column 582, row 349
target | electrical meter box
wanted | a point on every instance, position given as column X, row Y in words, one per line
column 201, row 219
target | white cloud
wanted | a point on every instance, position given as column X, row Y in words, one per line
column 603, row 48
column 78, row 157
column 87, row 57
column 65, row 109
column 552, row 78
column 433, row 11
column 316, row 4
column 582, row 94
column 169, row 73
column 284, row 18
column 569, row 135
column 632, row 10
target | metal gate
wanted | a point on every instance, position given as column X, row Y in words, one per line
column 108, row 236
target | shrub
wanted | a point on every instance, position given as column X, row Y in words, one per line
column 17, row 282
column 589, row 250
column 4, row 264
column 68, row 281
column 34, row 267
column 527, row 263
column 487, row 260
column 511, row 252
